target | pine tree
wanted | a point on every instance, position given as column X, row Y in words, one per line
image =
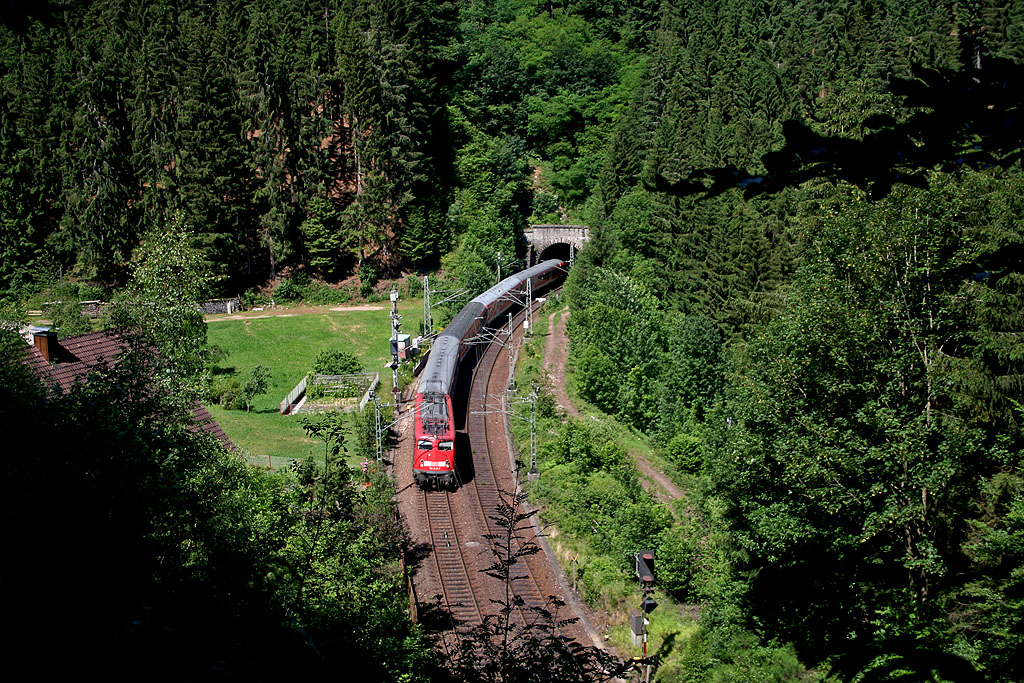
column 209, row 167
column 97, row 226
column 151, row 111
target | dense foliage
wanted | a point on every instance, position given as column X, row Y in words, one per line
column 336, row 362
column 804, row 281
column 145, row 550
column 285, row 133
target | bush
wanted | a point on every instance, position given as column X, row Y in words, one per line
column 227, row 393
column 405, row 376
column 367, row 279
column 597, row 378
column 65, row 313
column 257, row 385
column 88, row 292
column 336, row 362
column 677, row 558
column 317, row 292
column 603, row 581
column 253, row 298
column 321, row 293
column 212, row 355
column 544, row 207
column 68, row 320
column 288, row 291
column 547, row 407
column 364, row 434
column 685, row 451
column 413, row 286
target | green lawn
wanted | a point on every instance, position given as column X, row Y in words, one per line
column 287, row 343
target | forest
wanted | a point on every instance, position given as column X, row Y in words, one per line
column 805, row 285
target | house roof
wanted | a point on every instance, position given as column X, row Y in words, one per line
column 205, row 424
column 75, row 357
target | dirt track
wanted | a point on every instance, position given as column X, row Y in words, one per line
column 286, row 312
column 556, row 356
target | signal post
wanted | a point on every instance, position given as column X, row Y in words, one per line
column 638, row 621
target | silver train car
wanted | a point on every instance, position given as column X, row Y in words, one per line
column 434, row 457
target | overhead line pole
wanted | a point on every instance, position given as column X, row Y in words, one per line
column 380, row 428
column 429, row 304
column 529, row 308
column 395, row 325
column 376, row 428
column 428, row 321
column 508, row 409
column 510, row 347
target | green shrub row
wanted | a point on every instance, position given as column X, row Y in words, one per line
column 300, row 287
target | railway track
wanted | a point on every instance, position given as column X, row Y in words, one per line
column 493, row 477
column 458, row 594
column 451, row 528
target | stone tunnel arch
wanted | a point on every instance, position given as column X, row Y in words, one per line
column 555, row 241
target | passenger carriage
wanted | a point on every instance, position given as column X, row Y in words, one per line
column 434, row 459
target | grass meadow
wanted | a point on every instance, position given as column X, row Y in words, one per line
column 287, row 341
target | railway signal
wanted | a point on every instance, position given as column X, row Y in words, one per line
column 645, row 569
column 648, row 604
column 644, row 563
column 428, row 322
column 395, row 325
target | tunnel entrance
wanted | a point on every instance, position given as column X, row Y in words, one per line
column 559, row 251
column 554, row 241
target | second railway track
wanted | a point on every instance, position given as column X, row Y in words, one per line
column 493, row 476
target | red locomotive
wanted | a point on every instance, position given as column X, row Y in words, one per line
column 434, row 458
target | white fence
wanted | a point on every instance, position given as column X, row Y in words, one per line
column 329, row 386
column 294, row 398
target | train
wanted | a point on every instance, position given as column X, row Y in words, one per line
column 434, row 454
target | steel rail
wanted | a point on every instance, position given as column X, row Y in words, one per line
column 457, row 586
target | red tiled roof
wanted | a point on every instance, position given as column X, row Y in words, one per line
column 75, row 357
column 205, row 424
